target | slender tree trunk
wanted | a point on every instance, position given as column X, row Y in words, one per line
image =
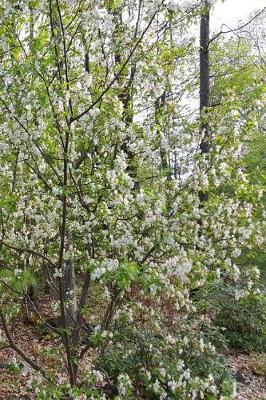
column 204, row 83
column 69, row 284
column 204, row 56
column 69, row 294
column 66, row 281
column 125, row 94
column 159, row 105
column 68, row 271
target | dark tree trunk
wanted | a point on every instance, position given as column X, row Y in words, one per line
column 159, row 105
column 69, row 283
column 205, row 143
column 125, row 92
column 204, row 76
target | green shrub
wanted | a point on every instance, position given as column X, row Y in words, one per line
column 151, row 365
column 241, row 315
column 245, row 322
column 257, row 363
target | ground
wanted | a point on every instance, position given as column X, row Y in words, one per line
column 15, row 382
column 251, row 383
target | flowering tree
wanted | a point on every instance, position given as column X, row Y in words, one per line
column 101, row 171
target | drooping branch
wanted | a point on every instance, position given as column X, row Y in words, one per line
column 20, row 352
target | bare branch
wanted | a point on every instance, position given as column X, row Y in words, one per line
column 239, row 28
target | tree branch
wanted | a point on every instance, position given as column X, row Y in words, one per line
column 25, row 250
column 236, row 29
column 21, row 353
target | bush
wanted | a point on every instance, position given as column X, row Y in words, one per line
column 244, row 321
column 152, row 365
column 241, row 315
column 257, row 363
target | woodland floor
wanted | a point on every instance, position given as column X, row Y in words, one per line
column 14, row 383
column 250, row 385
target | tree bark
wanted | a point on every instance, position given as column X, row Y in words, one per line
column 159, row 105
column 69, row 294
column 205, row 143
column 204, row 75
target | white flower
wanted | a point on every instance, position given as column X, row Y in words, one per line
column 94, row 112
column 170, row 339
column 180, row 365
column 120, row 162
column 56, row 191
column 58, row 273
column 223, row 167
column 140, row 198
column 156, row 386
column 202, row 345
column 172, row 385
column 194, row 394
column 148, row 375
column 204, row 180
column 239, row 294
column 124, row 383
column 185, row 341
column 17, row 271
column 111, row 264
column 153, row 288
column 228, row 261
column 26, row 370
column 111, row 176
column 186, row 374
column 213, row 389
column 196, row 213
column 68, row 96
column 234, row 394
column 186, row 266
column 236, row 272
column 98, row 375
column 210, row 377
column 236, row 253
column 173, row 6
column 97, row 273
column 3, row 147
